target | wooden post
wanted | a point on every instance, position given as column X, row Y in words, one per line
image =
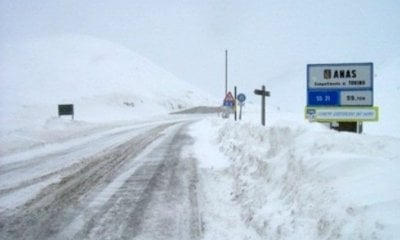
column 263, row 106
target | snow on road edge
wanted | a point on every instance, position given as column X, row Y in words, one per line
column 220, row 213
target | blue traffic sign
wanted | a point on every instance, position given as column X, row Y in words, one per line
column 241, row 97
column 323, row 98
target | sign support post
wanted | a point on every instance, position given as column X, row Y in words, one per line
column 241, row 98
column 263, row 107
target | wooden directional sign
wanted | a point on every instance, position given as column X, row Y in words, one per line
column 263, row 93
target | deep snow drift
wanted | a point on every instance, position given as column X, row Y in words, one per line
column 297, row 181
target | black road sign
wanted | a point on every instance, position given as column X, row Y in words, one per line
column 66, row 109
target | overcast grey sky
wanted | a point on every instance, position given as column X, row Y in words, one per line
column 266, row 39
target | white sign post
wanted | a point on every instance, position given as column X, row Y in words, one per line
column 349, row 84
column 340, row 93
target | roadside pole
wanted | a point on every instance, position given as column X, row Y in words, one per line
column 226, row 72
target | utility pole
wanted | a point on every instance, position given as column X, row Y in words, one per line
column 226, row 72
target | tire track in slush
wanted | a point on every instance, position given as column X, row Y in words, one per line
column 166, row 204
column 45, row 215
column 40, row 160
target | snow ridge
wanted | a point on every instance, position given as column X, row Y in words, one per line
column 296, row 181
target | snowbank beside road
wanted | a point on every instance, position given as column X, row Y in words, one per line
column 302, row 181
column 220, row 215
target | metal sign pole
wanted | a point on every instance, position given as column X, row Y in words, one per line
column 240, row 112
column 241, row 98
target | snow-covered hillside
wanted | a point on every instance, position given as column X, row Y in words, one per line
column 104, row 81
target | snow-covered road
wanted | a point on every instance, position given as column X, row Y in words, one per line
column 127, row 183
column 179, row 178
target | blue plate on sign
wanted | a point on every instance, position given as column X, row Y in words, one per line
column 323, row 98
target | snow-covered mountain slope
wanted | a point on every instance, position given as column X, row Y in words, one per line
column 105, row 81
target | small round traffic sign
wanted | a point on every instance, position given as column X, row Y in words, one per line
column 241, row 97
